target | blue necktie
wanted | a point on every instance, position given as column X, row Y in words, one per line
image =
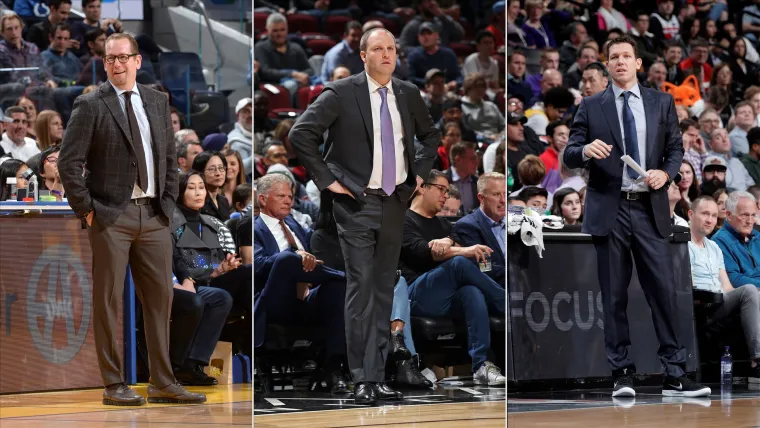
column 631, row 137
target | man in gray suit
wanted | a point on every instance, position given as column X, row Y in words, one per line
column 123, row 134
column 370, row 169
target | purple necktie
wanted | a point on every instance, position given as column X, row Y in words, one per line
column 389, row 154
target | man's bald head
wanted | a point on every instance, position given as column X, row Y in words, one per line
column 550, row 79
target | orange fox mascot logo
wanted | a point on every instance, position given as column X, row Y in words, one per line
column 687, row 94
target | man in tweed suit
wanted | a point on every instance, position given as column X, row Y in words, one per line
column 123, row 133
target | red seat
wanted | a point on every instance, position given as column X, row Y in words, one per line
column 462, row 49
column 469, row 33
column 277, row 101
column 303, row 96
column 501, row 101
column 502, row 63
column 311, row 36
column 314, row 93
column 320, row 46
column 335, row 26
column 260, row 20
column 302, row 23
column 387, row 23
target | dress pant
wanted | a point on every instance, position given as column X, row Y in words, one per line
column 278, row 303
column 197, row 321
column 370, row 239
column 635, row 233
column 140, row 237
column 457, row 288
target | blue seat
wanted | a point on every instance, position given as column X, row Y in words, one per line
column 173, row 67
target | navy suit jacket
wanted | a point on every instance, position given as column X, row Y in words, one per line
column 474, row 229
column 597, row 119
column 265, row 247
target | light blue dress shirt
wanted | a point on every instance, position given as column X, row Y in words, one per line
column 637, row 107
column 498, row 229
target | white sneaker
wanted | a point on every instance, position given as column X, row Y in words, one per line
column 489, row 374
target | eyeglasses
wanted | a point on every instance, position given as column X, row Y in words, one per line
column 110, row 59
column 51, row 160
column 441, row 187
column 215, row 169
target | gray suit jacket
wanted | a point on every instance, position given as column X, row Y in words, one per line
column 345, row 110
column 98, row 134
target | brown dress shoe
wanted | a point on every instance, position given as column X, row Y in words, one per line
column 174, row 394
column 120, row 394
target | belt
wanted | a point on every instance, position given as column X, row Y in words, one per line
column 140, row 201
column 634, row 196
column 376, row 192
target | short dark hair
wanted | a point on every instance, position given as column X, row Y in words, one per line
column 241, row 194
column 460, row 148
column 673, row 43
column 93, row 35
column 60, row 27
column 686, row 124
column 554, row 125
column 482, row 34
column 351, row 25
column 183, row 179
column 14, row 109
column 200, row 161
column 530, row 191
column 57, row 3
column 753, row 136
column 182, row 149
column 619, row 40
column 559, row 97
column 86, row 3
column 598, row 66
column 516, row 52
column 698, row 42
column 583, row 47
column 433, row 174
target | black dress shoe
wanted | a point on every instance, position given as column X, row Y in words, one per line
column 398, row 350
column 339, row 383
column 385, row 392
column 194, row 377
column 364, row 393
column 408, row 373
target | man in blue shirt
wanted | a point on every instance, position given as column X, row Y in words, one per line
column 739, row 242
column 63, row 65
column 431, row 55
column 345, row 53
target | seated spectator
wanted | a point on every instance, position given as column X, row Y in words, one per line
column 573, row 77
column 59, row 13
column 186, row 153
column 482, row 61
column 500, row 164
column 452, row 112
column 714, row 174
column 178, row 121
column 516, row 84
column 567, row 205
column 92, row 12
column 688, row 187
column 301, row 204
column 487, row 226
column 93, row 70
column 674, row 198
column 751, row 160
column 31, row 115
column 444, row 279
column 241, row 197
column 479, row 114
column 244, row 237
column 720, row 197
column 572, row 178
column 264, row 124
column 241, row 138
column 549, row 60
column 17, row 53
column 345, row 53
column 282, row 62
column 235, row 174
column 453, row 205
column 737, row 176
column 738, row 241
column 708, row 122
column 709, row 273
column 436, row 95
column 15, row 142
column 63, row 65
column 536, row 27
column 274, row 152
column 48, row 172
column 431, row 55
column 464, row 166
column 198, row 316
column 213, row 166
column 450, row 136
column 547, row 80
column 554, row 107
column 745, row 120
column 430, row 13
column 531, row 171
column 186, row 136
column 294, row 164
column 557, row 134
column 326, row 247
column 656, row 76
column 11, row 168
column 694, row 147
column 291, row 287
column 49, row 129
column 535, row 197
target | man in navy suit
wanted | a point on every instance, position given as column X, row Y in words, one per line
column 486, row 226
column 627, row 213
column 291, row 285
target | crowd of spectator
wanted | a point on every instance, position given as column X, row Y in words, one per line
column 454, row 53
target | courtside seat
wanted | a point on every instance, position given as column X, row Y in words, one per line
column 712, row 338
column 286, row 348
column 444, row 340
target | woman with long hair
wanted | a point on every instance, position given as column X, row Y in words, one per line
column 31, row 114
column 567, row 204
column 11, row 168
column 235, row 173
column 689, row 189
column 723, row 77
column 49, row 129
column 451, row 135
column 213, row 166
column 744, row 71
column 720, row 196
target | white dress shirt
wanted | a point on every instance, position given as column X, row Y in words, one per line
column 274, row 226
column 376, row 179
column 22, row 152
column 142, row 121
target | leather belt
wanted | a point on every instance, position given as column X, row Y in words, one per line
column 140, row 201
column 376, row 192
column 634, row 196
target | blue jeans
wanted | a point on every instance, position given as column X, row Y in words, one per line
column 401, row 312
column 458, row 288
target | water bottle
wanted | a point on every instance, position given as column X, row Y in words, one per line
column 510, row 179
column 726, row 368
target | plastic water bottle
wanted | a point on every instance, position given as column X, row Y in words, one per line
column 726, row 368
column 510, row 179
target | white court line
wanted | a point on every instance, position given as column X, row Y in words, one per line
column 346, row 404
column 419, row 400
column 275, row 402
column 262, row 411
column 471, row 391
column 423, row 396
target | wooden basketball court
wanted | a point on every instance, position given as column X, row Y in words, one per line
column 227, row 405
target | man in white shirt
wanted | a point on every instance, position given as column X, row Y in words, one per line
column 709, row 273
column 482, row 61
column 15, row 142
